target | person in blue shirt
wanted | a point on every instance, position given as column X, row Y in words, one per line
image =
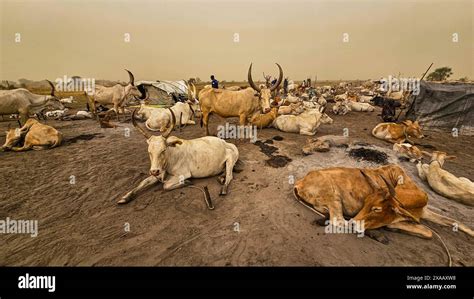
column 214, row 82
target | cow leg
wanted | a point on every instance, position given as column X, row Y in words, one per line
column 25, row 147
column 376, row 235
column 116, row 109
column 229, row 165
column 205, row 120
column 446, row 221
column 146, row 183
column 242, row 119
column 413, row 229
column 335, row 213
column 174, row 182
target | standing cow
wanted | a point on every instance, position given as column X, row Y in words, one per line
column 21, row 101
column 116, row 95
column 242, row 103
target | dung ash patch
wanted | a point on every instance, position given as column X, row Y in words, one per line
column 278, row 161
column 274, row 161
column 369, row 155
column 83, row 137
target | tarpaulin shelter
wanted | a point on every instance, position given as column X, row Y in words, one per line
column 444, row 106
column 161, row 92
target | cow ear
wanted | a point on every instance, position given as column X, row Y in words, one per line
column 173, row 142
column 450, row 157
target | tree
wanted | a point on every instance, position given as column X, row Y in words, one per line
column 440, row 74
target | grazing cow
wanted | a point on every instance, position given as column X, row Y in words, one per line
column 264, row 120
column 360, row 107
column 116, row 95
column 380, row 197
column 21, row 101
column 398, row 132
column 445, row 183
column 306, row 123
column 242, row 103
column 324, row 143
column 341, row 108
column 36, row 136
column 388, row 107
column 174, row 160
column 406, row 150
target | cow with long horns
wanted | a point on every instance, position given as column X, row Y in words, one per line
column 116, row 95
column 242, row 103
column 174, row 160
column 25, row 103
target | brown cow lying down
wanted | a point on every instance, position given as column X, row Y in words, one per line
column 36, row 135
column 445, row 183
column 380, row 197
column 324, row 143
column 264, row 120
column 397, row 133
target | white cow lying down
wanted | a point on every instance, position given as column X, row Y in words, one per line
column 306, row 123
column 174, row 160
column 159, row 118
column 445, row 183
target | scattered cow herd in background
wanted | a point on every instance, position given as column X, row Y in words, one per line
column 383, row 196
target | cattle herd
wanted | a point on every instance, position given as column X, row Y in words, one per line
column 378, row 197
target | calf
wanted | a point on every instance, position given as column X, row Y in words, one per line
column 306, row 123
column 445, row 183
column 398, row 133
column 36, row 136
column 264, row 120
column 360, row 107
column 380, row 197
column 324, row 143
column 406, row 150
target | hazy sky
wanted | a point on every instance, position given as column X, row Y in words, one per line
column 182, row 39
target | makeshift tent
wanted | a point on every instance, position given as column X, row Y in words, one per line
column 444, row 106
column 161, row 92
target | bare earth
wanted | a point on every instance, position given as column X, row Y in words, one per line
column 257, row 223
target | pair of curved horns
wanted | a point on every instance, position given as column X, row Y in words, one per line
column 147, row 134
column 132, row 78
column 274, row 87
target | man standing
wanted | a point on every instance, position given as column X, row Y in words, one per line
column 214, row 82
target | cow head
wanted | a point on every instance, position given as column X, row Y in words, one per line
column 382, row 207
column 325, row 119
column 13, row 137
column 193, row 100
column 439, row 156
column 264, row 93
column 413, row 129
column 157, row 146
column 130, row 88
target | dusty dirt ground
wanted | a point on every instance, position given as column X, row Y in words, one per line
column 257, row 223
